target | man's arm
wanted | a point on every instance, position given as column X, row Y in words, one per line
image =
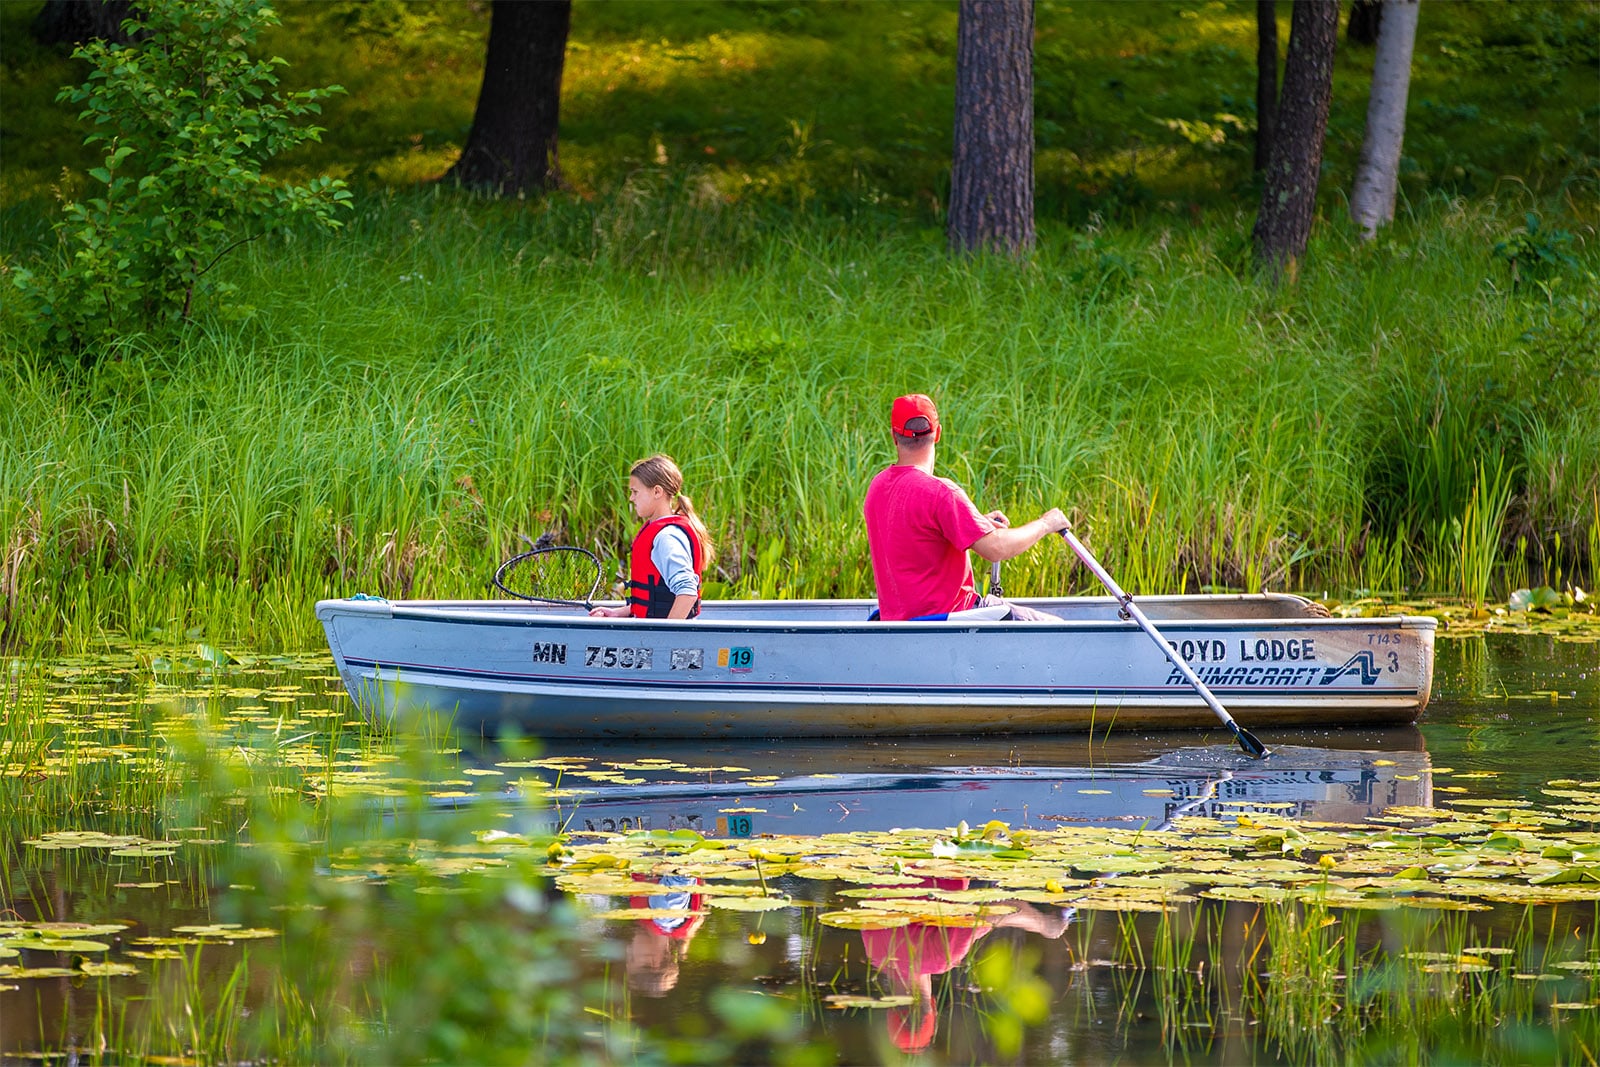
column 1010, row 542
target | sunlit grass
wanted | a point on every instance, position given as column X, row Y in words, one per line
column 397, row 408
column 394, row 419
column 392, row 411
column 837, row 102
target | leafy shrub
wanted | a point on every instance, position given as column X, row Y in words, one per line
column 187, row 119
column 1533, row 250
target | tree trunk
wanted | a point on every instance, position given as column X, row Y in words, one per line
column 1266, row 79
column 1378, row 173
column 991, row 171
column 1289, row 197
column 80, row 21
column 511, row 149
column 1366, row 19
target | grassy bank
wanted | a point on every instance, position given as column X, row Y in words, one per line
column 744, row 277
column 398, row 405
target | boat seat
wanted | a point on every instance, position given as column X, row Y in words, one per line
column 993, row 613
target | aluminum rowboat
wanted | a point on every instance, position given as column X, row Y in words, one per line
column 794, row 668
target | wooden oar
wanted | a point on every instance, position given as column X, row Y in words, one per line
column 1247, row 740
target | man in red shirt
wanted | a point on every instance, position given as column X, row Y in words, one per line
column 909, row 956
column 919, row 527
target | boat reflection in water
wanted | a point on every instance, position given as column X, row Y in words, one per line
column 749, row 789
column 746, row 788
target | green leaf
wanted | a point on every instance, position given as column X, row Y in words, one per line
column 1567, row 876
column 1502, row 842
column 214, row 656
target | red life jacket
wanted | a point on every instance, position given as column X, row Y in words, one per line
column 691, row 923
column 649, row 597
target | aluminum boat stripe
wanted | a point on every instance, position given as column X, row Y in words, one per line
column 707, row 628
column 834, row 687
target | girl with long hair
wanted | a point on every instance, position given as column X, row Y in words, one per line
column 669, row 552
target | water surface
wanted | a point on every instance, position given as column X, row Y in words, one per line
column 258, row 754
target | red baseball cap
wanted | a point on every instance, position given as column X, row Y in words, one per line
column 913, row 407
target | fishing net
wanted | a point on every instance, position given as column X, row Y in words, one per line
column 551, row 574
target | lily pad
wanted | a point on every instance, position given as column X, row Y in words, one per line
column 633, row 914
column 107, row 969
column 1568, row 875
column 61, row 930
column 43, row 945
column 1584, row 966
column 1258, row 894
column 749, row 903
column 225, row 932
column 861, row 919
column 845, row 1000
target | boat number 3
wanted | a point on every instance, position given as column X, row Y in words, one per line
column 636, row 659
column 735, row 659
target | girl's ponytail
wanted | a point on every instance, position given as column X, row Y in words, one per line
column 686, row 509
column 659, row 470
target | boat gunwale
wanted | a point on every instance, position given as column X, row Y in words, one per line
column 503, row 614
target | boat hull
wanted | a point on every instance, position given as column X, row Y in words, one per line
column 818, row 668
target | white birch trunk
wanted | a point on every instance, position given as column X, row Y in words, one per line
column 1377, row 175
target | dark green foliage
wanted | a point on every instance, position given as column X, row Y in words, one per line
column 1534, row 251
column 186, row 119
column 1215, row 434
column 1449, row 406
column 848, row 107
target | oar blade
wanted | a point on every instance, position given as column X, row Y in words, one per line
column 1249, row 742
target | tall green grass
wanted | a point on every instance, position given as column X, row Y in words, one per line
column 1480, row 532
column 394, row 409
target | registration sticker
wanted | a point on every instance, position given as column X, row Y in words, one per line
column 735, row 659
column 735, row 826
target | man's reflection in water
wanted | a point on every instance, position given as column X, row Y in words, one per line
column 656, row 952
column 909, row 956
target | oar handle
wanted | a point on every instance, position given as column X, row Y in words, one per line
column 1246, row 739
